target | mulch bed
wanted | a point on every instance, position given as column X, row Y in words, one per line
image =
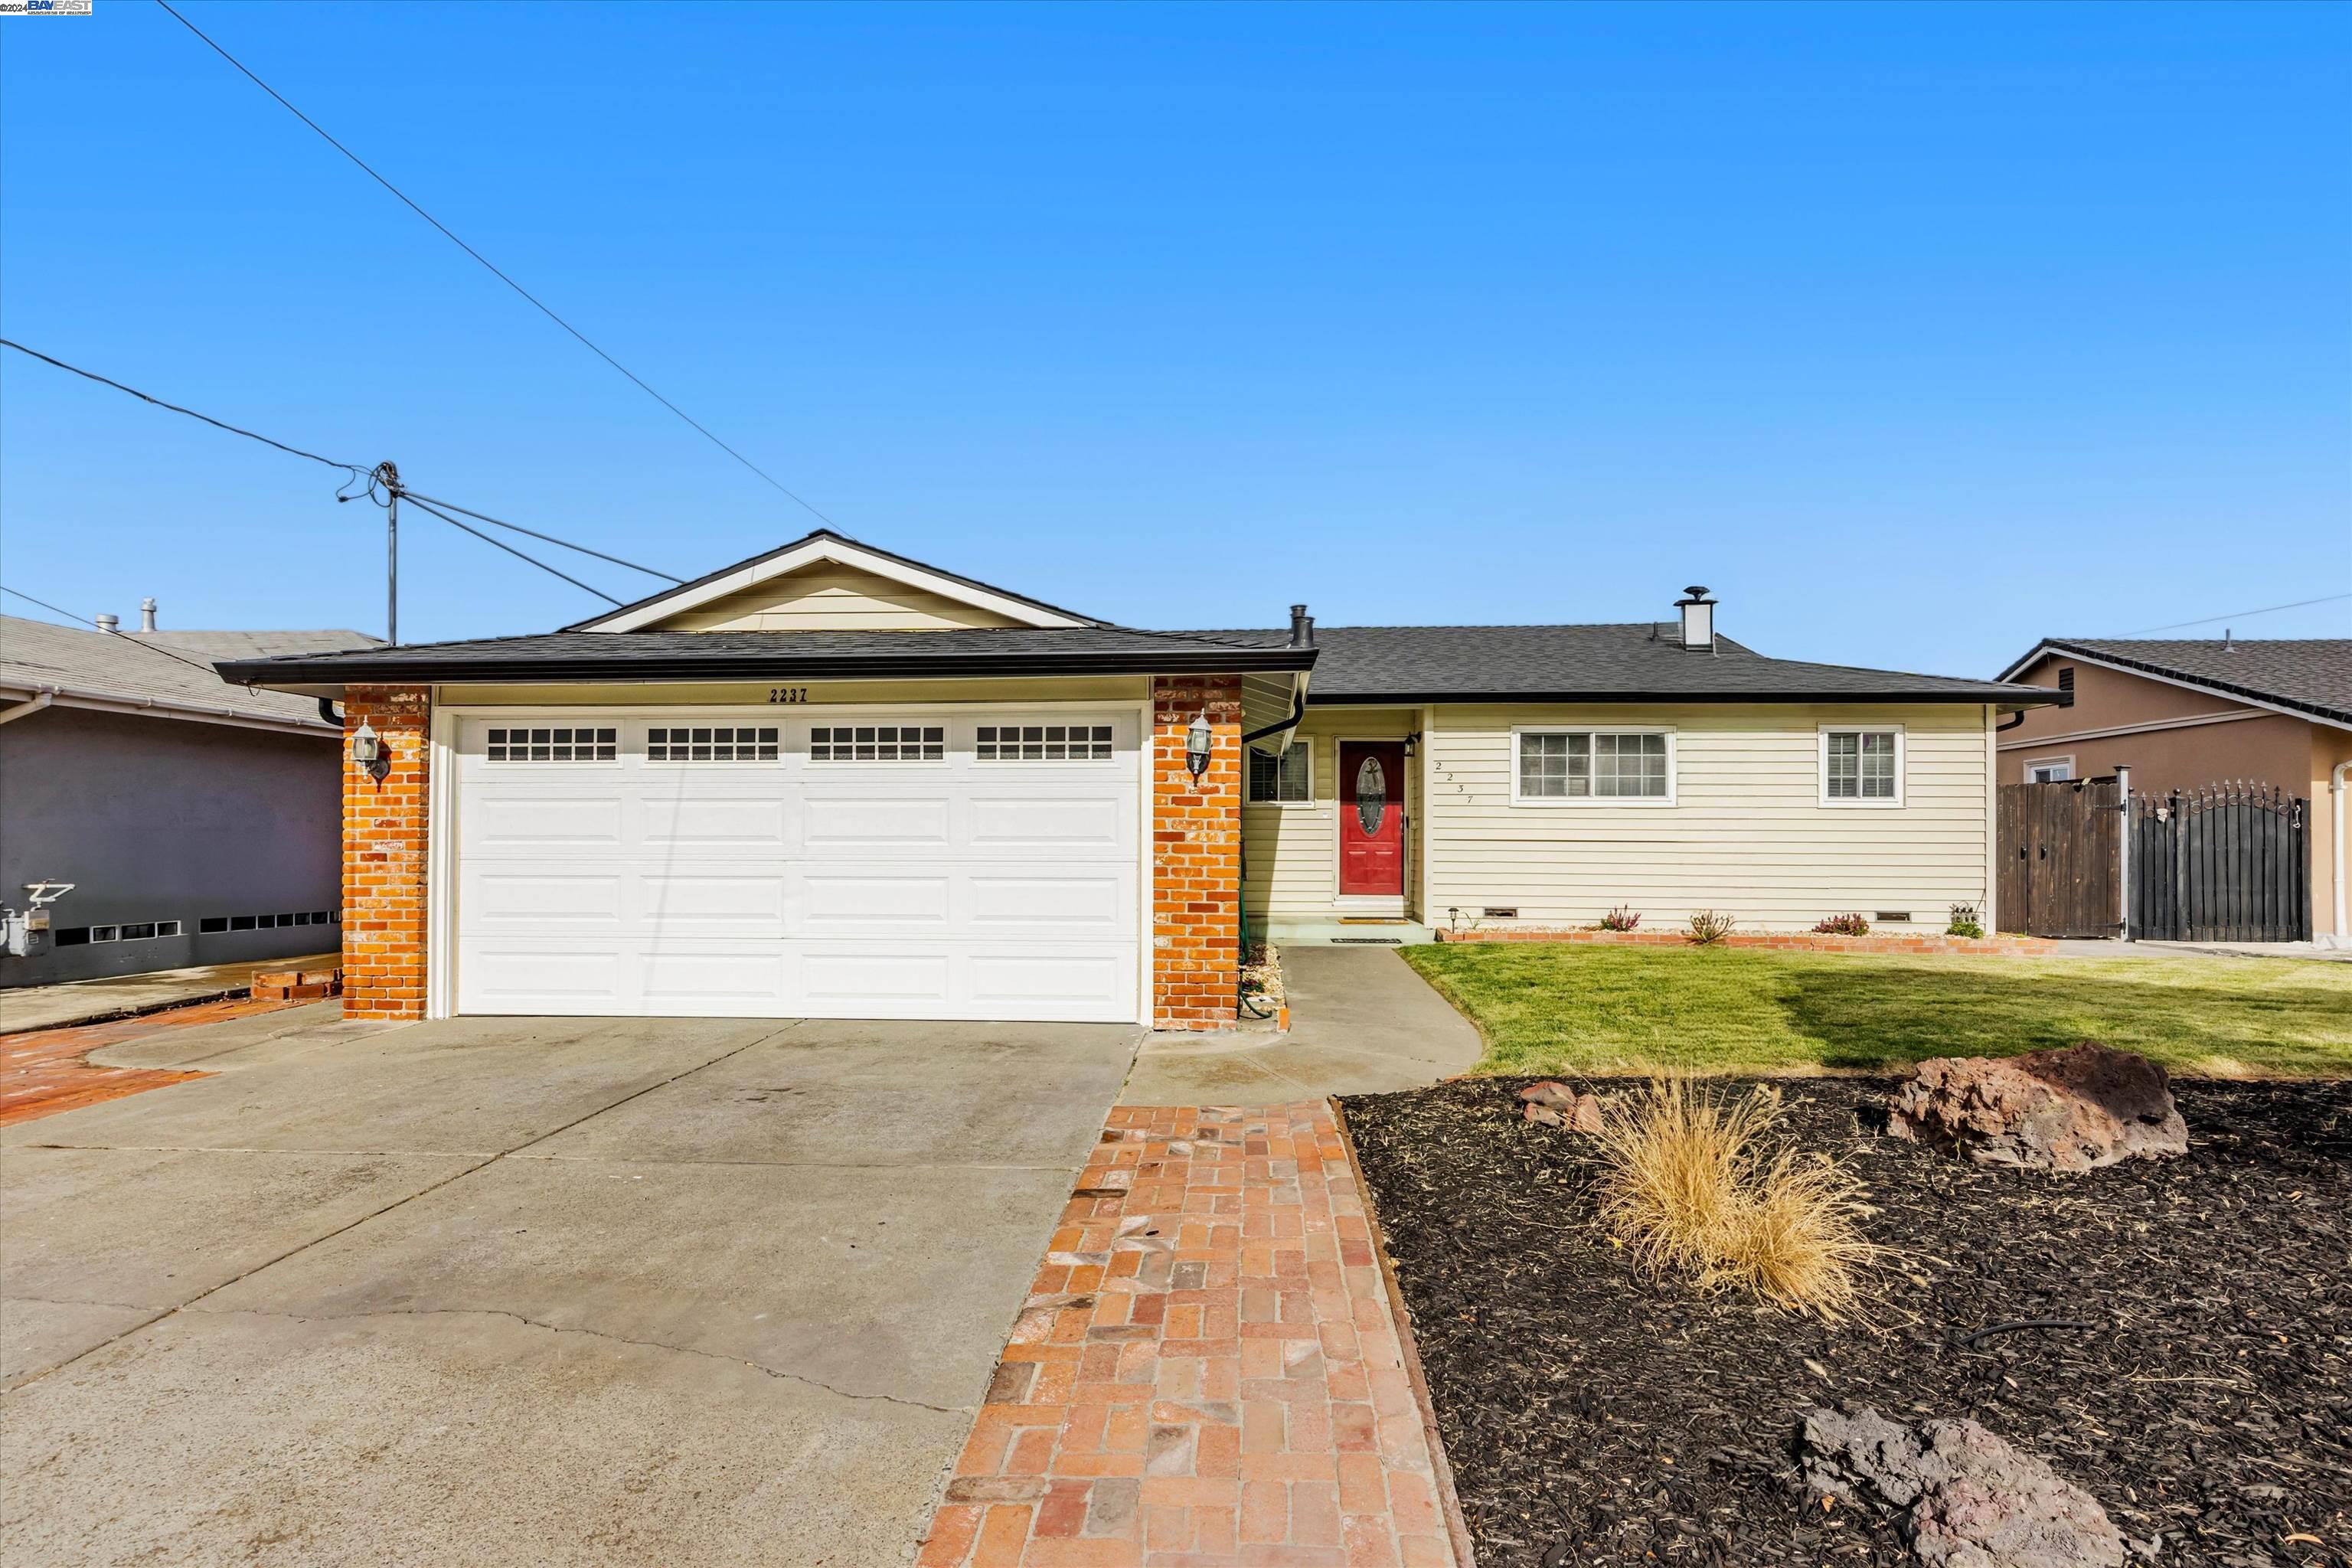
column 1592, row 1416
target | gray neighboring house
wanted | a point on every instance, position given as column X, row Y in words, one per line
column 198, row 822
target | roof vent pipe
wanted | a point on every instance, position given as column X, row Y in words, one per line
column 1698, row 618
column 1302, row 628
column 107, row 623
column 147, row 614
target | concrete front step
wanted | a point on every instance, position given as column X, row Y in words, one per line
column 1348, row 934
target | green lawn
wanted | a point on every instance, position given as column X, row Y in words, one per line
column 1563, row 1007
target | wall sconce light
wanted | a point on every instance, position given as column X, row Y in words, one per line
column 367, row 751
column 1197, row 740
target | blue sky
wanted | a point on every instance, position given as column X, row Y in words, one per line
column 1917, row 332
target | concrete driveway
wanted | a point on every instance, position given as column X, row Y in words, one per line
column 526, row 1290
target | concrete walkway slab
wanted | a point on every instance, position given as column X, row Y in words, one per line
column 124, row 996
column 1361, row 1023
column 457, row 1294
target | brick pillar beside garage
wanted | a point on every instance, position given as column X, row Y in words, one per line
column 1196, row 855
column 386, row 843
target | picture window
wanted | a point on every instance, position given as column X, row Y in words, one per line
column 1572, row 764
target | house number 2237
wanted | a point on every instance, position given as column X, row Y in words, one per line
column 788, row 694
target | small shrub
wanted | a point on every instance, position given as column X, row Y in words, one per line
column 1964, row 922
column 1843, row 925
column 1707, row 927
column 1690, row 1190
column 1621, row 917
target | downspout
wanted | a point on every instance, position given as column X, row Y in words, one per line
column 327, row 712
column 2013, row 722
column 2342, row 935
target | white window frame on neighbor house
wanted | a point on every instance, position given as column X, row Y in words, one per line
column 1605, row 801
column 1902, row 763
column 2034, row 764
column 1249, row 775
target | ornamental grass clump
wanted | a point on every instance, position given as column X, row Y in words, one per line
column 1691, row 1189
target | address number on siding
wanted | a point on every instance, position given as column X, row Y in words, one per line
column 788, row 694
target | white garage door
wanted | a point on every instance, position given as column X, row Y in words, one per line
column 854, row 865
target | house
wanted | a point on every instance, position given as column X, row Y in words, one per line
column 2183, row 714
column 833, row 782
column 196, row 823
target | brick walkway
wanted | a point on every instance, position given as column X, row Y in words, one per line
column 42, row 1073
column 1206, row 1371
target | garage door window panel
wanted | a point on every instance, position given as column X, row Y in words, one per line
column 552, row 743
column 1042, row 743
column 711, row 743
column 877, row 744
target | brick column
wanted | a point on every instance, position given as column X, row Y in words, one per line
column 384, row 854
column 1196, row 855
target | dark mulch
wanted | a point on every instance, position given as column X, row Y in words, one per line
column 1593, row 1416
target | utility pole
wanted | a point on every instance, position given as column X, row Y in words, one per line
column 390, row 475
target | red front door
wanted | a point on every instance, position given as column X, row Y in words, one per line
column 1372, row 818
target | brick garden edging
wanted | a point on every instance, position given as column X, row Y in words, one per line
column 1785, row 941
column 1208, row 1369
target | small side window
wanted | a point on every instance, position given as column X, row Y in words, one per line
column 1285, row 780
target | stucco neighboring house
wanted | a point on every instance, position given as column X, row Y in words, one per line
column 2183, row 714
column 831, row 781
column 199, row 823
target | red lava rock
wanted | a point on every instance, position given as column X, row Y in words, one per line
column 2072, row 1110
column 1556, row 1105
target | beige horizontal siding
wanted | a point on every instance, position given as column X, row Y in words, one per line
column 1746, row 835
column 832, row 598
column 1291, row 853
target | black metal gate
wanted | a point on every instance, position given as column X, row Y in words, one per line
column 2230, row 862
column 2060, row 846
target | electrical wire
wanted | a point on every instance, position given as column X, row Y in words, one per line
column 2239, row 615
column 534, row 300
column 86, row 623
column 354, row 470
column 413, row 500
column 484, row 517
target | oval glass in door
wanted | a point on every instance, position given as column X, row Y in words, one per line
column 1372, row 795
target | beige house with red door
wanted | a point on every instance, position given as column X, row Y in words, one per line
column 2183, row 714
column 833, row 782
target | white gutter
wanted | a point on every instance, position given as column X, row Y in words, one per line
column 2342, row 935
column 44, row 694
column 33, row 706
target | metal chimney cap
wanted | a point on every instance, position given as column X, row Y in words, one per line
column 147, row 614
column 1694, row 594
column 107, row 623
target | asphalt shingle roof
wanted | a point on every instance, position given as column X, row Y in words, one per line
column 2313, row 675
column 36, row 655
column 1619, row 662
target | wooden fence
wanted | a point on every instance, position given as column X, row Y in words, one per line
column 2061, row 858
column 2230, row 862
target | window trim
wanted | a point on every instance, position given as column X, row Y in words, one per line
column 1603, row 802
column 1307, row 741
column 1902, row 767
column 2029, row 765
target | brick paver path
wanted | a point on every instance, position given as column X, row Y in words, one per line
column 1206, row 1371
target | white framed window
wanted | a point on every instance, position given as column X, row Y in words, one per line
column 552, row 743
column 1555, row 766
column 711, row 743
column 1862, row 764
column 877, row 744
column 1043, row 743
column 2049, row 770
column 1285, row 780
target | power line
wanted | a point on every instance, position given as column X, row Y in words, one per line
column 84, row 621
column 352, row 469
column 484, row 517
column 416, row 501
column 2240, row 615
column 535, row 301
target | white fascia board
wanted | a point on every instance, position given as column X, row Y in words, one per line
column 2051, row 651
column 842, row 554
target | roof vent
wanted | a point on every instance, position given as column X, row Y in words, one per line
column 147, row 614
column 1302, row 628
column 107, row 623
column 1698, row 618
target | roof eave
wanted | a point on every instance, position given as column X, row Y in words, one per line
column 2292, row 706
column 2012, row 698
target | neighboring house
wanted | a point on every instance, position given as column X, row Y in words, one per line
column 2183, row 714
column 831, row 781
column 198, row 823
